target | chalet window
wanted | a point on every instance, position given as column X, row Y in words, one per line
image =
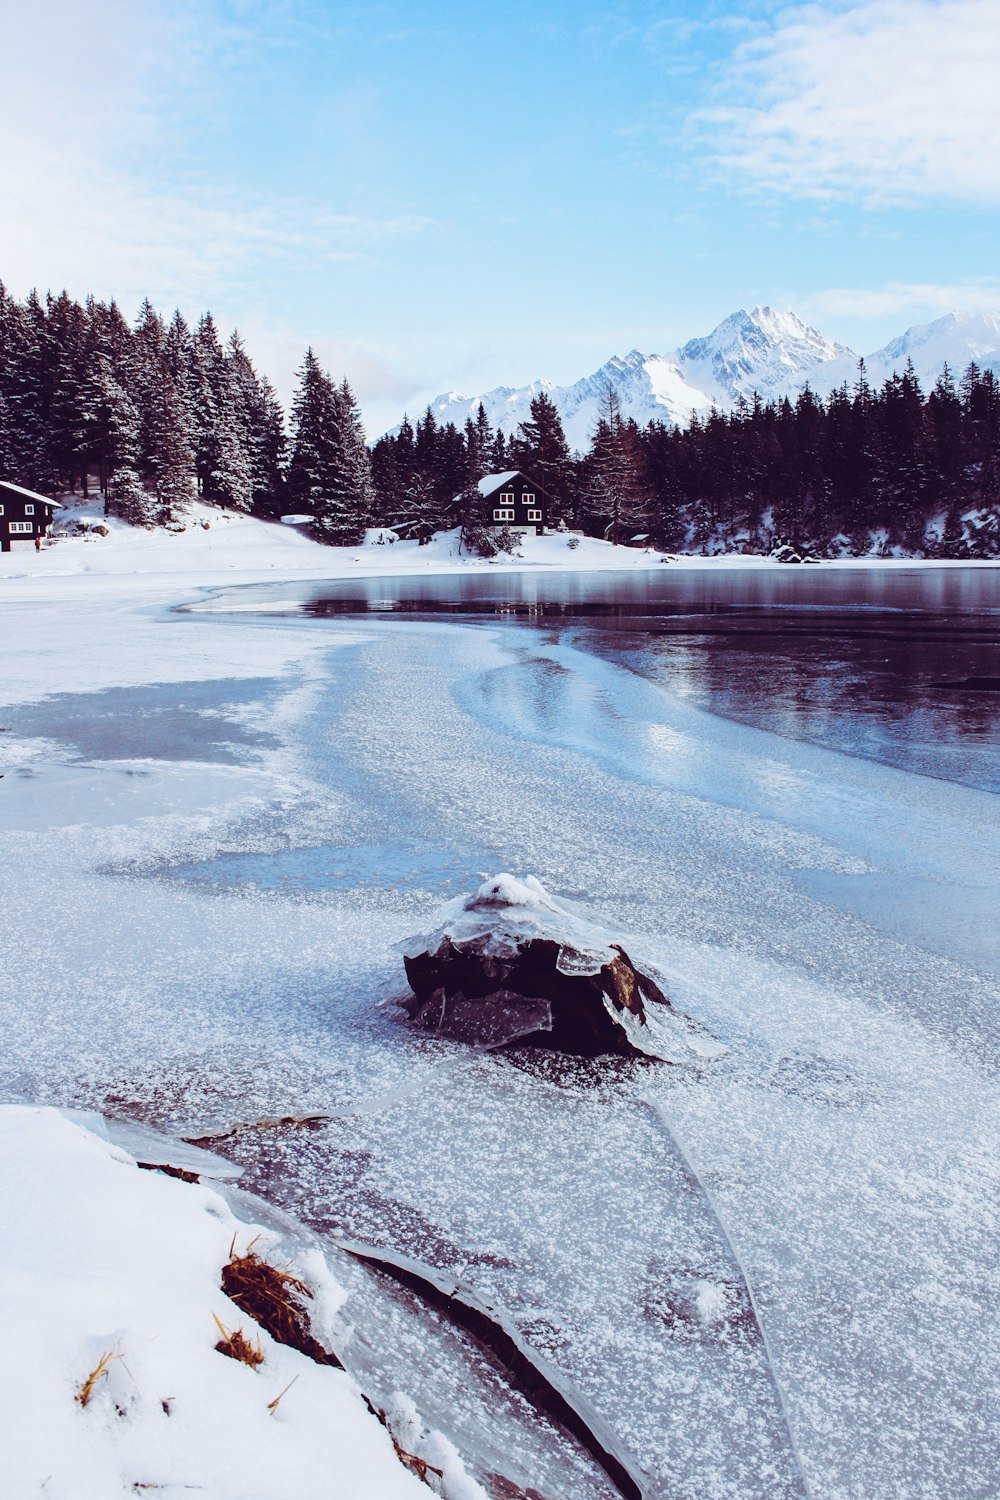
column 507, row 499
column 528, row 500
column 1, row 510
column 503, row 515
column 29, row 510
column 21, row 528
column 534, row 515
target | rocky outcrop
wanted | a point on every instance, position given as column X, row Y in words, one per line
column 512, row 962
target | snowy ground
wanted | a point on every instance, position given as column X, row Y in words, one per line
column 216, row 544
column 225, row 542
column 100, row 1262
column 775, row 1266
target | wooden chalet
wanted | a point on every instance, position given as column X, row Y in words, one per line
column 24, row 514
column 513, row 499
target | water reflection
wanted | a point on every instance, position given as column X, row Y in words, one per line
column 907, row 689
column 897, row 664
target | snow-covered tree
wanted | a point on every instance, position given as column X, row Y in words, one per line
column 617, row 493
column 541, row 450
column 329, row 476
column 167, row 457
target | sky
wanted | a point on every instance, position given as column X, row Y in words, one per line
column 450, row 197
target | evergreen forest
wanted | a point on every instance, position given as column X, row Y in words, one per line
column 155, row 413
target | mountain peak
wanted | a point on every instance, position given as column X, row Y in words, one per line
column 768, row 351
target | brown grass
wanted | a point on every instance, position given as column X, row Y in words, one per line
column 272, row 1406
column 237, row 1346
column 415, row 1463
column 275, row 1300
column 99, row 1372
column 411, row 1461
column 179, row 1172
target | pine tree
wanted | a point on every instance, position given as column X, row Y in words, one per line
column 28, row 394
column 117, row 444
column 617, row 490
column 67, row 430
column 500, row 459
column 349, row 501
column 330, row 472
column 167, row 455
column 472, row 506
column 311, row 423
column 270, row 446
column 541, row 450
column 203, row 393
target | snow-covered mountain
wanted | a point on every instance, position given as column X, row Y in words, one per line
column 956, row 339
column 772, row 353
column 763, row 351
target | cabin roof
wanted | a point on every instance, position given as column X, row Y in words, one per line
column 491, row 482
column 19, row 489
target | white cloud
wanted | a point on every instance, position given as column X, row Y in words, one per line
column 889, row 101
column 903, row 299
column 382, row 388
column 103, row 185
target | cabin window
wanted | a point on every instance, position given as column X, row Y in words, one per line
column 503, row 515
column 534, row 515
column 29, row 510
column 1, row 510
column 528, row 499
column 21, row 528
column 507, row 499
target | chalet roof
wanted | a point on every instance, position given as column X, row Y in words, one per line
column 491, row 482
column 18, row 489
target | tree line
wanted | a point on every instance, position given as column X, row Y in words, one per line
column 864, row 468
column 155, row 413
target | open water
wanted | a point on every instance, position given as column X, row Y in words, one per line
column 899, row 665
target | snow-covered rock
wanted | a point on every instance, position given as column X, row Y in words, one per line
column 513, row 961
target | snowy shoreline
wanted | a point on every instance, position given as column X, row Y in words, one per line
column 112, row 1303
column 217, row 544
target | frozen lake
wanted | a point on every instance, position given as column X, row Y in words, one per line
column 898, row 664
column 766, row 1274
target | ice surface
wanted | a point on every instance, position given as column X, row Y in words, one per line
column 843, row 1151
column 572, row 1217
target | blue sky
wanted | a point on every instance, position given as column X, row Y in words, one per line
column 441, row 196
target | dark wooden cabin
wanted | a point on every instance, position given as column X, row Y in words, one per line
column 514, row 499
column 24, row 514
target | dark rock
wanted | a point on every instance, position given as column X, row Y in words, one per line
column 512, row 962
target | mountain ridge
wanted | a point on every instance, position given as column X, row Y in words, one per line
column 769, row 352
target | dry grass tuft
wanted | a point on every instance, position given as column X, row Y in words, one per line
column 411, row 1461
column 237, row 1346
column 272, row 1406
column 275, row 1300
column 415, row 1463
column 99, row 1372
column 181, row 1173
